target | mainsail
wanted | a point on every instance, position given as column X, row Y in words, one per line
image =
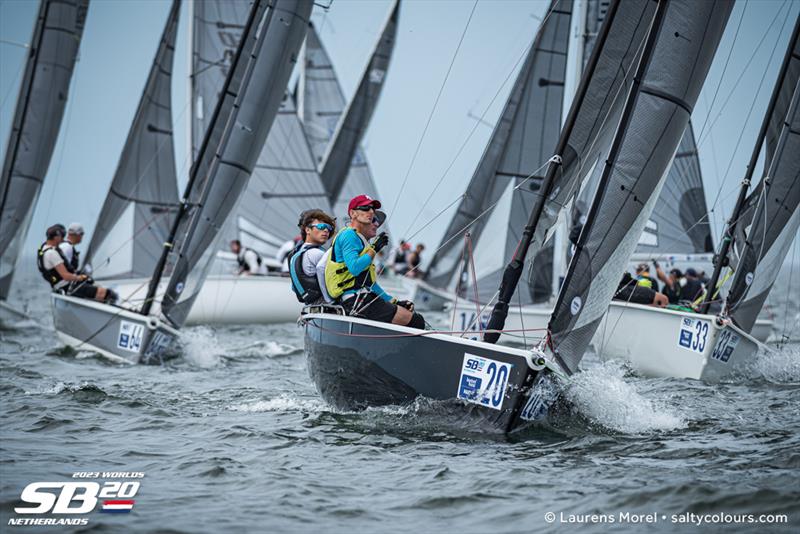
column 143, row 197
column 238, row 128
column 677, row 54
column 342, row 175
column 776, row 211
column 285, row 180
column 40, row 107
column 679, row 223
column 509, row 172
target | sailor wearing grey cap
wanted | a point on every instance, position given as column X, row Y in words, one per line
column 74, row 237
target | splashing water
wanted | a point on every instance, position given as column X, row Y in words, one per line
column 282, row 403
column 603, row 396
column 780, row 366
column 201, row 347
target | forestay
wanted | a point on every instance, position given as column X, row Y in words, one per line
column 285, row 180
column 775, row 221
column 40, row 107
column 680, row 46
column 143, row 198
column 509, row 173
column 343, row 169
column 237, row 131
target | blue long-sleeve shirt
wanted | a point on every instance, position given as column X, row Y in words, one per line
column 348, row 248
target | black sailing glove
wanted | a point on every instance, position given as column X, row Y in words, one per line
column 407, row 304
column 380, row 242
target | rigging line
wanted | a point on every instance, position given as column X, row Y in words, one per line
column 478, row 122
column 14, row 85
column 784, row 335
column 433, row 110
column 724, row 70
column 749, row 112
column 700, row 140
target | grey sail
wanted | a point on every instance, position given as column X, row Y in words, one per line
column 774, row 225
column 37, row 119
column 321, row 103
column 235, row 137
column 522, row 142
column 143, row 198
column 679, row 223
column 285, row 180
column 676, row 57
column 596, row 11
column 343, row 169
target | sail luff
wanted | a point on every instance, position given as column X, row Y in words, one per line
column 146, row 179
column 675, row 62
column 356, row 117
column 741, row 201
column 37, row 119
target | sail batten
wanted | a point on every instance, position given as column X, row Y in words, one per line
column 43, row 93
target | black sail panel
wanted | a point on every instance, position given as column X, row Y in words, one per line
column 653, row 122
column 37, row 119
column 141, row 203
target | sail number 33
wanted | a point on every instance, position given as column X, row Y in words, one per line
column 693, row 334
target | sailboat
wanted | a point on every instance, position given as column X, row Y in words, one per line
column 715, row 346
column 237, row 129
column 357, row 363
column 40, row 107
column 296, row 171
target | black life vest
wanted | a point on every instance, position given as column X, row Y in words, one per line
column 306, row 287
column 242, row 263
column 51, row 275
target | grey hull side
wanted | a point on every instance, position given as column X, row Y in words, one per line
column 114, row 332
column 356, row 365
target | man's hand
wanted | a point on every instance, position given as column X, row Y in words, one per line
column 380, row 242
column 407, row 304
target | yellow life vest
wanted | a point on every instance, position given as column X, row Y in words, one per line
column 338, row 278
column 645, row 282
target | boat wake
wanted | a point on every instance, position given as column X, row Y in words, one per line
column 201, row 347
column 779, row 366
column 283, row 403
column 605, row 398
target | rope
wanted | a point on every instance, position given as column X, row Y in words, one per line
column 421, row 333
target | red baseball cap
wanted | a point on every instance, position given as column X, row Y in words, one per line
column 363, row 200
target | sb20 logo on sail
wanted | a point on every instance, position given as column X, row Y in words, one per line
column 77, row 497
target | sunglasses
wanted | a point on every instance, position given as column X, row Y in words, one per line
column 365, row 208
column 376, row 221
column 322, row 226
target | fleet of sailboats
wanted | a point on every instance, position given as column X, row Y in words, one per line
column 619, row 170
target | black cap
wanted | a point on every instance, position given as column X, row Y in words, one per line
column 56, row 230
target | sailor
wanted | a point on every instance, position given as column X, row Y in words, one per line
column 693, row 289
column 248, row 259
column 287, row 250
column 672, row 283
column 414, row 261
column 55, row 268
column 643, row 277
column 399, row 259
column 316, row 227
column 74, row 237
column 629, row 290
column 350, row 274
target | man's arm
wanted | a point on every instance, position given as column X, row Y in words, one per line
column 351, row 248
column 61, row 269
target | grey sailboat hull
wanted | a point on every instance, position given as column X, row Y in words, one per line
column 118, row 334
column 356, row 363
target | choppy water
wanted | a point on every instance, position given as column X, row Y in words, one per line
column 232, row 436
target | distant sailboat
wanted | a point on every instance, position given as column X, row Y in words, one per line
column 358, row 363
column 711, row 347
column 238, row 127
column 42, row 99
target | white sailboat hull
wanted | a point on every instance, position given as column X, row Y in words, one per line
column 532, row 319
column 668, row 343
column 229, row 299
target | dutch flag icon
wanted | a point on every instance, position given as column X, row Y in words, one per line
column 117, row 507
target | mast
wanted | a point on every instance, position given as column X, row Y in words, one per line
column 721, row 258
column 513, row 270
column 195, row 171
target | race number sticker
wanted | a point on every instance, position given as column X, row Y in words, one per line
column 483, row 381
column 693, row 334
column 130, row 336
column 726, row 344
column 160, row 343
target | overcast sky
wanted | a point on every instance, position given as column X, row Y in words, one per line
column 121, row 36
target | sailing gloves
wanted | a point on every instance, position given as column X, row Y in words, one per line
column 407, row 304
column 380, row 242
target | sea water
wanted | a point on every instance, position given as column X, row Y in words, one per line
column 233, row 437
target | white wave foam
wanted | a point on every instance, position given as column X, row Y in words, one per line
column 55, row 389
column 780, row 366
column 282, row 403
column 201, row 348
column 602, row 395
column 265, row 348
